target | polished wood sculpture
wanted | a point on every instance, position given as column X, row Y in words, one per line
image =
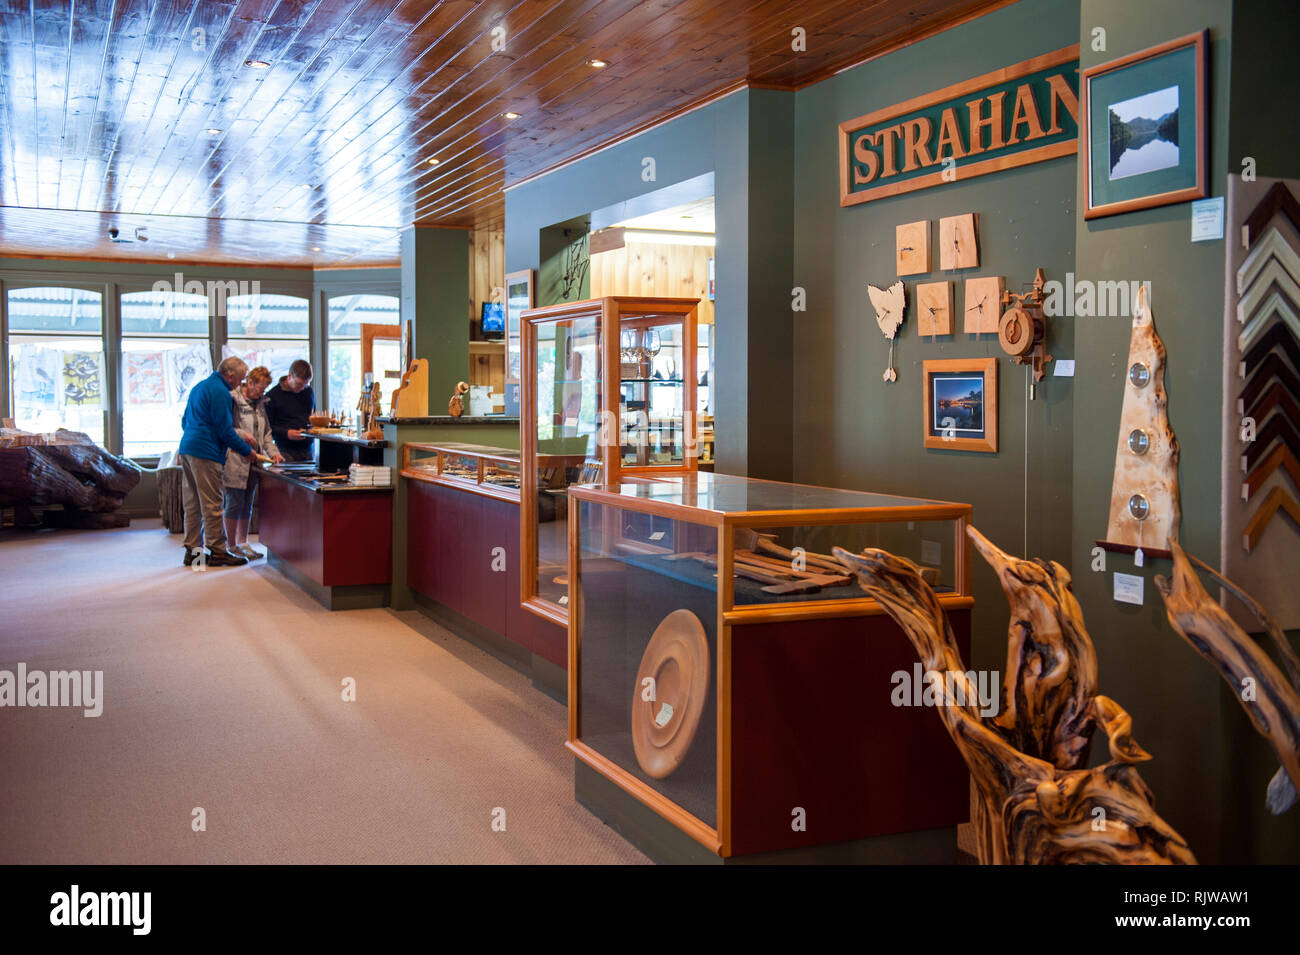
column 1270, row 697
column 1037, row 803
column 1145, row 508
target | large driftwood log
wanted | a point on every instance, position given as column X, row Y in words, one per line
column 1039, row 813
column 66, row 468
column 1270, row 699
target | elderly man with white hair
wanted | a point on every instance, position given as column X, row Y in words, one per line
column 209, row 432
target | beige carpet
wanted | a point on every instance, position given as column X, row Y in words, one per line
column 222, row 690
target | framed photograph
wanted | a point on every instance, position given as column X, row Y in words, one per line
column 961, row 404
column 1143, row 128
column 519, row 298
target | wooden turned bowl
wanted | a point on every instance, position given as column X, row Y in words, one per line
column 677, row 659
column 318, row 421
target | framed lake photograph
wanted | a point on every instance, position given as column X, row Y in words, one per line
column 961, row 404
column 1143, row 128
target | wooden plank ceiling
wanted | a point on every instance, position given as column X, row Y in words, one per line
column 300, row 132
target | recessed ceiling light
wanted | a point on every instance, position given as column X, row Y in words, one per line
column 434, row 162
column 213, row 131
column 171, row 255
column 598, row 64
column 510, row 115
column 305, row 185
column 315, row 248
column 257, row 64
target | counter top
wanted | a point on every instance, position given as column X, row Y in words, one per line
column 448, row 419
column 304, row 479
column 350, row 439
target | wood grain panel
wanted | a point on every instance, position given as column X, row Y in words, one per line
column 145, row 109
column 644, row 268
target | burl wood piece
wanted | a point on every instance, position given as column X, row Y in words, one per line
column 68, row 469
column 1031, row 810
column 1153, row 473
column 1270, row 698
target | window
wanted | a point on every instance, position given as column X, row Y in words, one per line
column 270, row 330
column 165, row 353
column 56, row 360
column 346, row 314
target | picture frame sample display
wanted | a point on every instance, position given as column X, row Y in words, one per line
column 1143, row 128
column 519, row 298
column 961, row 404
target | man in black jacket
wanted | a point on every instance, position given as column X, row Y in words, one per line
column 288, row 406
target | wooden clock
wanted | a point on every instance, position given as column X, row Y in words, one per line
column 934, row 308
column 983, row 305
column 912, row 247
column 957, row 246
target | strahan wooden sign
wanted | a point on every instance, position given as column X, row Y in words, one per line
column 1011, row 117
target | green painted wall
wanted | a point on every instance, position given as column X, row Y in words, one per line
column 435, row 287
column 1210, row 769
column 853, row 430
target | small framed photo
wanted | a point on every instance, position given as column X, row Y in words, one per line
column 961, row 404
column 1143, row 128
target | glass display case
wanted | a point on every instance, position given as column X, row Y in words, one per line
column 651, row 649
column 485, row 470
column 607, row 392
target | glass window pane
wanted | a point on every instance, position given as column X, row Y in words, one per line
column 57, row 382
column 277, row 356
column 164, row 313
column 345, row 375
column 68, row 310
column 266, row 316
column 157, row 375
column 347, row 313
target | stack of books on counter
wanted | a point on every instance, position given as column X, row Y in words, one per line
column 367, row 475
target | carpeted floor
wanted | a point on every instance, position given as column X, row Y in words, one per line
column 223, row 691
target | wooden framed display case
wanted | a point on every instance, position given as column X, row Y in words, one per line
column 609, row 390
column 493, row 472
column 724, row 706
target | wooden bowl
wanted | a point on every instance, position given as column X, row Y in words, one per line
column 677, row 659
column 319, row 420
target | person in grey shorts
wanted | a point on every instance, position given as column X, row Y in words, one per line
column 239, row 478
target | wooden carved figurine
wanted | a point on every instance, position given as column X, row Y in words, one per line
column 1037, row 803
column 456, row 406
column 1270, row 698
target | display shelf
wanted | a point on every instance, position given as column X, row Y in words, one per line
column 645, row 561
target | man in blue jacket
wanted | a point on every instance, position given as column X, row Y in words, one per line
column 209, row 430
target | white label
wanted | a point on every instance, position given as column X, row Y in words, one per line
column 1139, row 558
column 658, row 535
column 1128, row 588
column 564, row 599
column 1207, row 219
column 1063, row 368
column 931, row 553
column 570, row 422
column 664, row 715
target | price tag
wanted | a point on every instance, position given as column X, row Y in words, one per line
column 1207, row 219
column 564, row 599
column 1139, row 558
column 664, row 715
column 1063, row 368
column 1128, row 588
column 657, row 535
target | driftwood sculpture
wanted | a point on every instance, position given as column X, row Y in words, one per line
column 1037, row 804
column 1270, row 698
column 66, row 468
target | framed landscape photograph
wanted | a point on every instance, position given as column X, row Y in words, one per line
column 1143, row 128
column 961, row 404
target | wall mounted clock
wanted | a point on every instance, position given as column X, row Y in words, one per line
column 934, row 308
column 912, row 247
column 982, row 307
column 957, row 242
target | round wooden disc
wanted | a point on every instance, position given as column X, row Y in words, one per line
column 1016, row 332
column 677, row 659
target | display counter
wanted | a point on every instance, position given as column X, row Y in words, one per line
column 462, row 554
column 731, row 688
column 330, row 537
column 336, row 451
